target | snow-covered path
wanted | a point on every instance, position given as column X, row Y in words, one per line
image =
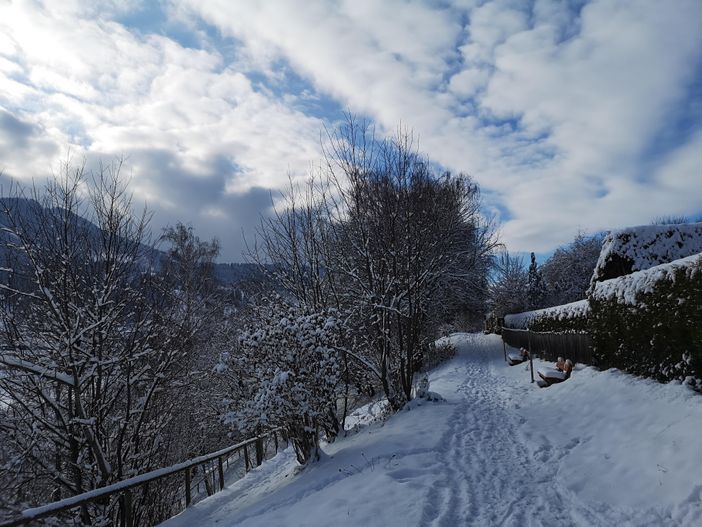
column 488, row 477
column 601, row 449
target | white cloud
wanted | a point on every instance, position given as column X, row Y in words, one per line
column 90, row 86
column 365, row 53
column 578, row 96
column 557, row 112
column 680, row 176
column 602, row 96
column 491, row 24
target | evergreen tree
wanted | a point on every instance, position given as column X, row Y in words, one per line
column 535, row 286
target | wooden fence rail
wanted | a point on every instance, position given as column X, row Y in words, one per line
column 124, row 488
column 549, row 346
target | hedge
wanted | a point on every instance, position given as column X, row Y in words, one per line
column 649, row 323
column 567, row 318
column 639, row 248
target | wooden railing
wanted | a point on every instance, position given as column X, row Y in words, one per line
column 125, row 487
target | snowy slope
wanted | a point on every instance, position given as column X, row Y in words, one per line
column 603, row 448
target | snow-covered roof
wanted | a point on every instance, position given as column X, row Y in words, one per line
column 626, row 288
column 564, row 312
column 637, row 248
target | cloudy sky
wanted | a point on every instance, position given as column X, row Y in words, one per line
column 570, row 114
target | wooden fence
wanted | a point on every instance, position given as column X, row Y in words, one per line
column 210, row 463
column 549, row 346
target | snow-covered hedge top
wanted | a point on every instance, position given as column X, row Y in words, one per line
column 565, row 312
column 638, row 248
column 625, row 288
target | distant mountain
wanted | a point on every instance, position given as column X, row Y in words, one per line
column 29, row 211
column 232, row 273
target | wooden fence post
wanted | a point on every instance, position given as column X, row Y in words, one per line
column 127, row 516
column 531, row 362
column 247, row 462
column 188, row 496
column 220, row 469
column 259, row 451
column 504, row 348
column 209, row 485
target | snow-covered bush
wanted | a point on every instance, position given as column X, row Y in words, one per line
column 565, row 318
column 288, row 365
column 650, row 322
column 637, row 248
column 438, row 352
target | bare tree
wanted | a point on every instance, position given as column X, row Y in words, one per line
column 509, row 286
column 384, row 237
column 405, row 232
column 199, row 312
column 293, row 247
column 670, row 219
column 90, row 344
column 567, row 273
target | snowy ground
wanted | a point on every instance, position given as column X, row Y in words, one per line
column 603, row 448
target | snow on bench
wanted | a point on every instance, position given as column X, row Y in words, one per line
column 552, row 373
column 517, row 357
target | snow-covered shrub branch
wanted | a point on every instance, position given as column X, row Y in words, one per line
column 438, row 352
column 288, row 365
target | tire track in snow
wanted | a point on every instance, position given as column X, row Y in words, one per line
column 488, row 476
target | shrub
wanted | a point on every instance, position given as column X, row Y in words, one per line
column 649, row 323
column 558, row 319
column 640, row 248
column 438, row 352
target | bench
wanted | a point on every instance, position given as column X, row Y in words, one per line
column 551, row 376
column 517, row 357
